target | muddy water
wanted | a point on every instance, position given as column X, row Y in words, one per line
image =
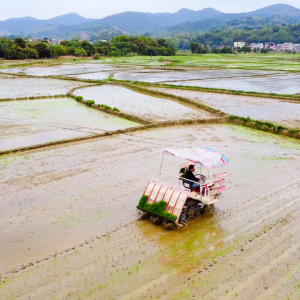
column 283, row 84
column 62, row 197
column 64, row 69
column 188, row 75
column 116, row 73
column 93, row 76
column 282, row 112
column 11, row 88
column 26, row 123
column 141, row 105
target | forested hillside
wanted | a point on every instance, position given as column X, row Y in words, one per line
column 218, row 37
column 155, row 24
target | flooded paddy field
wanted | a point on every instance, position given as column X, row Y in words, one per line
column 148, row 107
column 283, row 112
column 187, row 75
column 118, row 75
column 33, row 122
column 16, row 87
column 251, row 61
column 68, row 216
column 280, row 84
column 66, row 69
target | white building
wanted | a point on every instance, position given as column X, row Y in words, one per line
column 270, row 46
column 256, row 46
column 297, row 47
column 239, row 44
column 286, row 47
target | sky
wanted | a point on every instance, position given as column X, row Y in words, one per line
column 97, row 9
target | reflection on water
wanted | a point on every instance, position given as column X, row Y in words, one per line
column 283, row 84
column 62, row 69
column 280, row 112
column 12, row 88
column 203, row 74
column 26, row 123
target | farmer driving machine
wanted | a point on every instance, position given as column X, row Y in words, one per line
column 173, row 205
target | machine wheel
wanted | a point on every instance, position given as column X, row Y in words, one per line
column 212, row 208
column 208, row 209
column 144, row 216
column 157, row 220
column 191, row 214
column 169, row 226
column 205, row 210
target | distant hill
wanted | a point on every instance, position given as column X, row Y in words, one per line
column 277, row 14
column 158, row 24
column 26, row 25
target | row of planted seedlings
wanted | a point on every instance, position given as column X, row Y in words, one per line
column 92, row 102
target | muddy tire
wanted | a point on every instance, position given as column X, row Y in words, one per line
column 208, row 209
column 144, row 216
column 192, row 214
column 169, row 226
column 157, row 221
column 212, row 208
column 205, row 210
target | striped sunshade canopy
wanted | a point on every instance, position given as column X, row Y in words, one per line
column 205, row 157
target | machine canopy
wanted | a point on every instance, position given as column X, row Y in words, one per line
column 205, row 157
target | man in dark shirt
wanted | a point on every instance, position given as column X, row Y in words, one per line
column 190, row 176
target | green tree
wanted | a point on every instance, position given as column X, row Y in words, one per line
column 194, row 47
column 172, row 43
column 226, row 50
column 80, row 52
column 59, row 50
column 4, row 48
column 43, row 50
column 88, row 48
column 31, row 53
column 16, row 52
column 20, row 42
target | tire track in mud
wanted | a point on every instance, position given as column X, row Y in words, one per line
column 241, row 237
column 31, row 265
column 164, row 278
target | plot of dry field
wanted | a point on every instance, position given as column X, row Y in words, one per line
column 33, row 122
column 282, row 112
column 68, row 220
column 147, row 107
column 55, row 199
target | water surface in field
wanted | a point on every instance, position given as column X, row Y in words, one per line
column 16, row 87
column 286, row 113
column 93, row 76
column 186, row 75
column 141, row 105
column 281, row 84
column 64, row 69
column 26, row 123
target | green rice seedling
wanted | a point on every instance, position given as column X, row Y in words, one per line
column 79, row 98
column 90, row 102
column 157, row 208
column 116, row 109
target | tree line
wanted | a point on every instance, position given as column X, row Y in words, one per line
column 19, row 48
